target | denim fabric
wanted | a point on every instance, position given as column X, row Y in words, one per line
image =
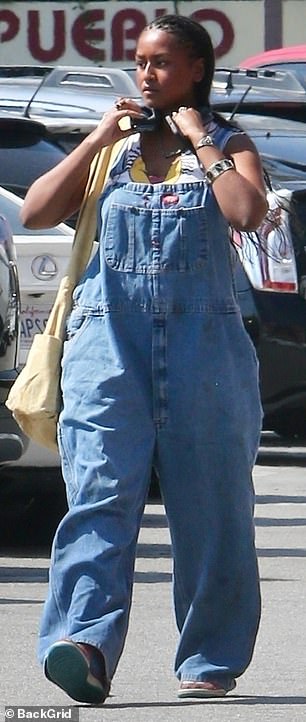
column 159, row 370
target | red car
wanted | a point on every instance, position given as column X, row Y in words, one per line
column 291, row 58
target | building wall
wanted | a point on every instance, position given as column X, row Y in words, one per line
column 104, row 31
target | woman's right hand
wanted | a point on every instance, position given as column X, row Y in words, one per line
column 57, row 194
column 115, row 123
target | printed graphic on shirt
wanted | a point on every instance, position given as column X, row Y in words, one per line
column 130, row 167
column 185, row 168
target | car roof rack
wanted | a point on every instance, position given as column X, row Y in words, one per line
column 89, row 80
column 91, row 77
column 228, row 79
column 119, row 81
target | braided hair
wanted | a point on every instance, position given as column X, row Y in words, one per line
column 195, row 38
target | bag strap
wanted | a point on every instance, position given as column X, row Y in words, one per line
column 84, row 237
column 87, row 219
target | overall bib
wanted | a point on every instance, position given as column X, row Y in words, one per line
column 158, row 370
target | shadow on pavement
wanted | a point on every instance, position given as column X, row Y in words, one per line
column 233, row 700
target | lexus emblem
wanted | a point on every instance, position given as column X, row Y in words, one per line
column 44, row 268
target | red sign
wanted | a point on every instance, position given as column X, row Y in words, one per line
column 93, row 35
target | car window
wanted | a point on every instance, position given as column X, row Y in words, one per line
column 25, row 157
column 11, row 210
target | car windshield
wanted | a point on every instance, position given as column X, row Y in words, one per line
column 11, row 210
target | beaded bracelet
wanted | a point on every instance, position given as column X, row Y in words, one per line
column 216, row 169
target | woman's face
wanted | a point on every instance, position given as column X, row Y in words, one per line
column 166, row 72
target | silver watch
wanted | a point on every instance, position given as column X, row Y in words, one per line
column 206, row 140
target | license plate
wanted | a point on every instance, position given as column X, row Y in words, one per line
column 32, row 321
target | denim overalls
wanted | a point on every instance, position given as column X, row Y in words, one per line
column 159, row 370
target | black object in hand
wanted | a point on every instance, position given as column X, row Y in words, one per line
column 150, row 121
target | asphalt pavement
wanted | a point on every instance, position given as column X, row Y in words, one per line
column 144, row 688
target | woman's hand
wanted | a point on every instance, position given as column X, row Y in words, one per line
column 240, row 193
column 57, row 194
column 189, row 123
column 116, row 122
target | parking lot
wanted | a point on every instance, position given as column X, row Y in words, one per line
column 32, row 494
column 144, row 688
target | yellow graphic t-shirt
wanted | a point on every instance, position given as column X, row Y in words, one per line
column 138, row 173
column 130, row 166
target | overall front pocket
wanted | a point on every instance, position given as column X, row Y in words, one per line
column 144, row 240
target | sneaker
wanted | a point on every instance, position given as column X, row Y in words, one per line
column 79, row 669
column 190, row 688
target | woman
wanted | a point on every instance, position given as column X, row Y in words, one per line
column 158, row 371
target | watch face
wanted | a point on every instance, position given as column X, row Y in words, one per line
column 205, row 141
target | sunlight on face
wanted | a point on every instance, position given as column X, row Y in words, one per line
column 166, row 70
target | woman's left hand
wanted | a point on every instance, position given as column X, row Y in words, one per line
column 189, row 123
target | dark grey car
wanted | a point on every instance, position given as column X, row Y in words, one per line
column 69, row 100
